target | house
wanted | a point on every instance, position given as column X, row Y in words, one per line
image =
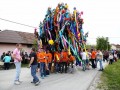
column 9, row 39
column 118, row 47
column 115, row 47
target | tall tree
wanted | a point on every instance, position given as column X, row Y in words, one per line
column 35, row 44
column 103, row 43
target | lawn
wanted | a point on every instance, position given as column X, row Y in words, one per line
column 110, row 78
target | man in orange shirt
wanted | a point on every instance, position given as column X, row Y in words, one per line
column 49, row 59
column 64, row 58
column 93, row 57
column 71, row 62
column 43, row 63
column 57, row 61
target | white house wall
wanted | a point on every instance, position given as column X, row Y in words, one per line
column 11, row 47
column 113, row 47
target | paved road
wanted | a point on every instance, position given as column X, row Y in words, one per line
column 78, row 81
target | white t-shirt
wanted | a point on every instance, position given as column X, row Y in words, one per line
column 115, row 55
column 99, row 55
column 110, row 56
column 84, row 56
column 88, row 55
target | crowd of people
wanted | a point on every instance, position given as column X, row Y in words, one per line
column 6, row 57
column 63, row 62
column 47, row 62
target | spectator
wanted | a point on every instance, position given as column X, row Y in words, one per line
column 23, row 57
column 115, row 57
column 33, row 65
column 93, row 57
column 88, row 58
column 100, row 59
column 12, row 59
column 110, row 58
column 26, row 57
column 3, row 55
column 7, row 60
column 84, row 58
column 17, row 60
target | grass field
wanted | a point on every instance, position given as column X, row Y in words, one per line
column 110, row 78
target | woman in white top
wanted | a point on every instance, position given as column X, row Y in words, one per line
column 115, row 57
column 110, row 58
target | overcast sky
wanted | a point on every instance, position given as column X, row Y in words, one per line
column 101, row 17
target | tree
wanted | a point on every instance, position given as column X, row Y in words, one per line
column 88, row 46
column 103, row 43
column 35, row 44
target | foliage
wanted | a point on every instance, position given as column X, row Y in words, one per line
column 111, row 77
column 103, row 43
column 90, row 46
column 35, row 44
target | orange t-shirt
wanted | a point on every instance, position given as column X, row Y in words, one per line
column 64, row 56
column 72, row 58
column 93, row 55
column 57, row 57
column 41, row 57
column 49, row 57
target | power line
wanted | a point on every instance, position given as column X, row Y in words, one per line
column 17, row 23
column 37, row 28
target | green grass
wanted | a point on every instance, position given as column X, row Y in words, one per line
column 110, row 78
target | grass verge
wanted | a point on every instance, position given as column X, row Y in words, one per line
column 110, row 78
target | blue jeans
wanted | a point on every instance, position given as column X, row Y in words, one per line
column 57, row 67
column 84, row 65
column 101, row 65
column 33, row 73
column 78, row 62
column 42, row 69
column 96, row 61
column 18, row 70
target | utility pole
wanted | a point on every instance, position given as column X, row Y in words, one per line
column 107, row 43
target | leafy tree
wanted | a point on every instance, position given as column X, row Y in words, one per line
column 35, row 44
column 88, row 46
column 103, row 43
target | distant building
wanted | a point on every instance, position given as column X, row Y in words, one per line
column 9, row 38
column 115, row 47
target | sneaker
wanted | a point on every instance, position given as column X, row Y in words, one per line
column 20, row 81
column 37, row 83
column 102, row 69
column 17, row 83
column 32, row 82
column 42, row 77
column 99, row 70
column 46, row 76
